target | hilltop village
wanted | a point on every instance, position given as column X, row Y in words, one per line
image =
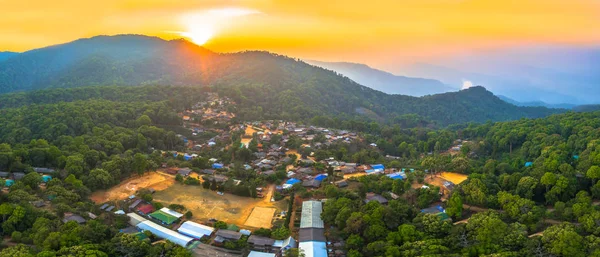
column 249, row 188
column 193, row 176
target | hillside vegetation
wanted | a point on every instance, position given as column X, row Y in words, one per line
column 266, row 85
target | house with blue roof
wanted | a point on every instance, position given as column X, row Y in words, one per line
column 397, row 175
column 292, row 181
column 378, row 167
column 321, row 177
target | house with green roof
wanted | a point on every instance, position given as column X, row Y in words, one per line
column 163, row 217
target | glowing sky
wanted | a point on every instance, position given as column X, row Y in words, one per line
column 374, row 32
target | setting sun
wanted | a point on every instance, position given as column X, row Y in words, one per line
column 201, row 26
column 199, row 36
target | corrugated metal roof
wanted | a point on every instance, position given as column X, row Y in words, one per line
column 165, row 233
column 195, row 230
column 171, row 212
column 311, row 215
column 312, row 234
column 260, row 240
column 313, row 249
column 135, row 219
column 290, row 242
column 228, row 234
column 135, row 204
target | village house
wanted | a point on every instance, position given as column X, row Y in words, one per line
column 375, row 197
column 312, row 183
column 341, row 183
column 184, row 172
column 224, row 235
column 73, row 217
column 260, row 243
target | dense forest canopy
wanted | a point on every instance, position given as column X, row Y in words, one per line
column 265, row 85
column 533, row 190
column 97, row 136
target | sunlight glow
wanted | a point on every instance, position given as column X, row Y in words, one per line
column 467, row 84
column 198, row 35
column 201, row 26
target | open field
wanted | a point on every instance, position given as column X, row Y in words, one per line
column 260, row 217
column 155, row 180
column 206, row 204
column 455, row 178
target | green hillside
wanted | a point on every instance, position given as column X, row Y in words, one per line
column 266, row 85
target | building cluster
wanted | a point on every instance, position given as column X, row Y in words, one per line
column 214, row 109
column 11, row 178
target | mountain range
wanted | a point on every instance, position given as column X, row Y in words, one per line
column 384, row 81
column 550, row 74
column 537, row 103
column 265, row 85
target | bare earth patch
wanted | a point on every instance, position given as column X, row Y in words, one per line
column 260, row 217
column 206, row 204
column 154, row 180
column 455, row 178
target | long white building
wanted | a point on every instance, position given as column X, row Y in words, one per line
column 165, row 233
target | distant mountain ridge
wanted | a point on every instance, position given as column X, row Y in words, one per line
column 537, row 103
column 384, row 81
column 553, row 74
column 6, row 55
column 266, row 85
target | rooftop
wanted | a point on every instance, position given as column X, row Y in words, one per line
column 228, row 234
column 195, row 230
column 311, row 215
column 314, row 249
column 260, row 240
column 311, row 234
column 165, row 233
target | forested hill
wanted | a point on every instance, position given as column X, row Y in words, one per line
column 265, row 85
column 385, row 81
column 6, row 55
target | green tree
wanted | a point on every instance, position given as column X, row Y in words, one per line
column 32, row 179
column 455, row 206
column 563, row 240
column 549, row 179
column 593, row 173
column 526, row 187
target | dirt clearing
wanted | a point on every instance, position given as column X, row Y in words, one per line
column 455, row 178
column 154, row 180
column 206, row 204
column 260, row 217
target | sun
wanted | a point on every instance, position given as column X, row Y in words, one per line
column 198, row 36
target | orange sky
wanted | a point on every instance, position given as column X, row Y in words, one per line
column 374, row 32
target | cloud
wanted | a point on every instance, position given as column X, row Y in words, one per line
column 232, row 12
column 466, row 84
